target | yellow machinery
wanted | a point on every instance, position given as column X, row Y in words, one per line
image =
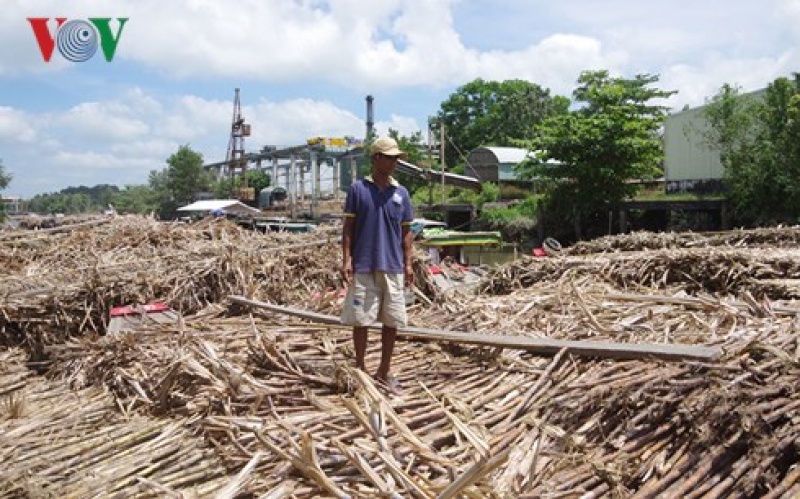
column 335, row 142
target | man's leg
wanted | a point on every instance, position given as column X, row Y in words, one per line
column 360, row 345
column 388, row 335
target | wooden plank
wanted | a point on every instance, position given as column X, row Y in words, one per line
column 545, row 346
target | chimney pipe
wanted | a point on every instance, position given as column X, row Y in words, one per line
column 370, row 120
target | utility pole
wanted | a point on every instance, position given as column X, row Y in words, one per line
column 315, row 160
column 441, row 158
column 430, row 164
column 292, row 182
column 337, row 172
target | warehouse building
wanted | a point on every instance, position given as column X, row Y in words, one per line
column 691, row 164
column 495, row 164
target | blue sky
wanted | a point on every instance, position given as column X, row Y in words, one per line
column 304, row 68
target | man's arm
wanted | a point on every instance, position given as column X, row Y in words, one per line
column 408, row 238
column 408, row 248
column 348, row 230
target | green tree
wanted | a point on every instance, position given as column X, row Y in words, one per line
column 226, row 187
column 40, row 203
column 162, row 197
column 610, row 138
column 181, row 182
column 410, row 144
column 758, row 137
column 736, row 131
column 258, row 179
column 185, row 175
column 783, row 118
column 414, row 148
column 78, row 203
column 141, row 199
column 493, row 113
column 99, row 195
column 75, row 200
column 61, row 202
column 5, row 177
column 229, row 187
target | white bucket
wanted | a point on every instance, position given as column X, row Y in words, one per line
column 411, row 298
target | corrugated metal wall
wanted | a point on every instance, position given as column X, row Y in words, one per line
column 483, row 164
column 687, row 157
column 487, row 167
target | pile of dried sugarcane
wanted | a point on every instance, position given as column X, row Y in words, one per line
column 280, row 395
column 57, row 442
column 768, row 237
column 772, row 273
column 55, row 286
column 277, row 399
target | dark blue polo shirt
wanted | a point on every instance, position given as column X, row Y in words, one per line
column 380, row 216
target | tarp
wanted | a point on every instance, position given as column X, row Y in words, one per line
column 231, row 206
column 439, row 237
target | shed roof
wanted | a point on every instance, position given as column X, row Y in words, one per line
column 505, row 154
column 226, row 205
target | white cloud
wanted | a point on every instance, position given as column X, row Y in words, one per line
column 157, row 150
column 92, row 168
column 294, row 121
column 89, row 160
column 103, row 122
column 394, row 43
column 190, row 117
column 385, row 44
column 402, row 124
column 16, row 126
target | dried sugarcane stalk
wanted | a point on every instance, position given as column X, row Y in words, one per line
column 383, row 487
column 233, row 489
column 305, row 462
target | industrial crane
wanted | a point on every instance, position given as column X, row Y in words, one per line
column 235, row 157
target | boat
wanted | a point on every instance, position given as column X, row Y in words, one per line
column 468, row 249
column 441, row 237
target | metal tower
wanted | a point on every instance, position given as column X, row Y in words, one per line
column 235, row 157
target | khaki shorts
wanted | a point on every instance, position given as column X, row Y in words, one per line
column 375, row 297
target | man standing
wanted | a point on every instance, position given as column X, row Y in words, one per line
column 376, row 254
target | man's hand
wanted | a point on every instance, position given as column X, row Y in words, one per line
column 348, row 229
column 347, row 272
column 409, row 276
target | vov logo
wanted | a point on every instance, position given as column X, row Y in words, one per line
column 77, row 39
